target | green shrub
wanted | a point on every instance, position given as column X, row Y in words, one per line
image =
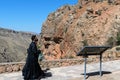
column 110, row 41
column 118, row 39
column 85, row 43
column 118, row 48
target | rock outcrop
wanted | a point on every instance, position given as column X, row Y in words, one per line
column 13, row 45
column 70, row 28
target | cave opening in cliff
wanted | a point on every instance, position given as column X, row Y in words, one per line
column 57, row 40
column 47, row 38
column 47, row 45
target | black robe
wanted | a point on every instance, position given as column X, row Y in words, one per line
column 32, row 69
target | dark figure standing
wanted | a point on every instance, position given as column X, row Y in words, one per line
column 32, row 70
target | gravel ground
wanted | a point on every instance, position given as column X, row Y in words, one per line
column 112, row 76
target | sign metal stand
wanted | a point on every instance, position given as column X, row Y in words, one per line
column 92, row 50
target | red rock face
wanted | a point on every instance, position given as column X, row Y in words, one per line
column 70, row 28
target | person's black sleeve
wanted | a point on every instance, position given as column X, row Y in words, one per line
column 33, row 48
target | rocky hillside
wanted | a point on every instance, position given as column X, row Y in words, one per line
column 13, row 45
column 89, row 22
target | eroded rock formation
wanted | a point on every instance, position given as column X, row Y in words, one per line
column 70, row 28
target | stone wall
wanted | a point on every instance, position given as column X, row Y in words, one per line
column 60, row 62
column 11, row 67
column 18, row 66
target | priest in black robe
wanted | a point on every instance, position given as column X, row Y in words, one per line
column 32, row 69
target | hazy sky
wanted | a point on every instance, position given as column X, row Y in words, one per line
column 28, row 15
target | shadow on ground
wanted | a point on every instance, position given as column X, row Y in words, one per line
column 96, row 73
column 47, row 74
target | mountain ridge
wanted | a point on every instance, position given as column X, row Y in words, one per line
column 13, row 45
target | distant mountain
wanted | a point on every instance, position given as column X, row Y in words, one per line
column 13, row 45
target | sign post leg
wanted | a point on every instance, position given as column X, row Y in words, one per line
column 85, row 68
column 100, row 64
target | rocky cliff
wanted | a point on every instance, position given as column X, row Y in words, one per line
column 13, row 45
column 89, row 22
